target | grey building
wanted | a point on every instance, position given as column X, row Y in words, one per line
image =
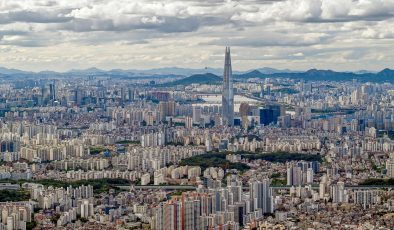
column 228, row 91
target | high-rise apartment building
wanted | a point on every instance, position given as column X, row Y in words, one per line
column 339, row 193
column 261, row 196
column 166, row 108
column 197, row 114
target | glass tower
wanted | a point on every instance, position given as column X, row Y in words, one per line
column 228, row 91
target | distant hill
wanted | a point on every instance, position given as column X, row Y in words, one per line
column 206, row 75
column 267, row 70
column 251, row 74
column 12, row 71
column 145, row 72
column 207, row 78
column 178, row 71
column 386, row 75
column 86, row 71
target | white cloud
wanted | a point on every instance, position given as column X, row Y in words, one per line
column 289, row 33
column 299, row 54
column 336, row 9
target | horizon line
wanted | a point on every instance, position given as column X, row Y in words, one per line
column 190, row 68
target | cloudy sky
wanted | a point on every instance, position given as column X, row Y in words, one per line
column 142, row 34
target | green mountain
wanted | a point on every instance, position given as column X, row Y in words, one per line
column 207, row 78
column 386, row 75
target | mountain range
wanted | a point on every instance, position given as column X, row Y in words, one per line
column 212, row 75
column 157, row 71
column 207, row 78
column 386, row 75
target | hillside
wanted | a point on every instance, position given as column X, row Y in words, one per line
column 207, row 78
column 385, row 75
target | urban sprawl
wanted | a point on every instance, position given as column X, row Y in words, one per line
column 99, row 151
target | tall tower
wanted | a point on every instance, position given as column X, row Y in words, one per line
column 228, row 91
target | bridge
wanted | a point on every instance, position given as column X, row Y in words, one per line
column 250, row 96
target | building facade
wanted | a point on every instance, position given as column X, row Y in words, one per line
column 228, row 91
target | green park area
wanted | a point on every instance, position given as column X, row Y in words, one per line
column 219, row 159
column 213, row 160
column 128, row 142
column 14, row 195
column 378, row 182
column 96, row 150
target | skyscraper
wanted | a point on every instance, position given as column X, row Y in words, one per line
column 228, row 93
column 270, row 114
column 261, row 196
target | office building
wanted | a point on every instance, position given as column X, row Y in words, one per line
column 228, row 92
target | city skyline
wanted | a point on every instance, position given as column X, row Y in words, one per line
column 299, row 35
column 126, row 114
column 117, row 150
